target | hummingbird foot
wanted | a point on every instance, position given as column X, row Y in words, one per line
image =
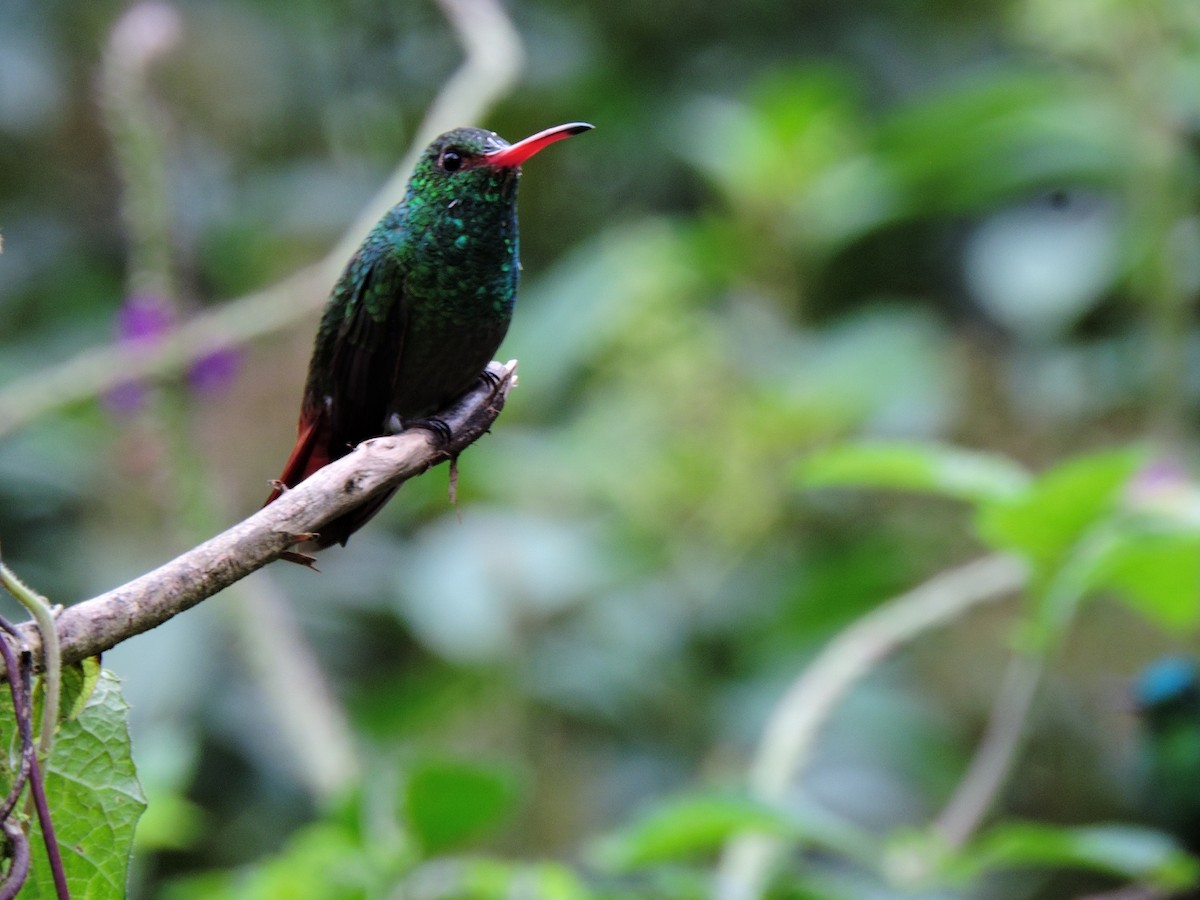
column 440, row 429
column 453, row 486
column 298, row 557
column 302, row 559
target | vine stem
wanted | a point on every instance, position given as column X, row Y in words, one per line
column 990, row 765
column 38, row 789
column 43, row 615
column 18, row 675
column 797, row 719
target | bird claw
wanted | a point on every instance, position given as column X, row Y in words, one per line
column 303, row 559
column 440, row 429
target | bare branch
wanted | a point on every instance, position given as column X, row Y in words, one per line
column 975, row 793
column 799, row 716
column 374, row 468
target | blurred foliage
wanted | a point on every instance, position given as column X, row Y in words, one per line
column 835, row 297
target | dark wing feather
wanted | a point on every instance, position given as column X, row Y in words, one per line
column 352, row 374
column 365, row 355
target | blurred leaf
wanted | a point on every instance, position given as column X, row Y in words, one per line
column 1004, row 134
column 689, row 825
column 78, row 683
column 320, row 862
column 571, row 313
column 796, row 155
column 171, row 822
column 1044, row 522
column 491, row 879
column 449, row 802
column 797, row 124
column 94, row 797
column 1123, row 850
column 1158, row 574
column 968, row 475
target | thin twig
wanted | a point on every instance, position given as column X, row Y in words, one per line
column 23, row 713
column 493, row 58
column 43, row 615
column 18, row 675
column 19, row 708
column 1002, row 739
column 797, row 719
column 992, row 762
column 375, row 468
column 38, row 789
column 18, row 869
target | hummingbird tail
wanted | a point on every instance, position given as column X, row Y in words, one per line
column 310, row 453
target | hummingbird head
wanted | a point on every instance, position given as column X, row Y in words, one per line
column 471, row 163
column 458, row 220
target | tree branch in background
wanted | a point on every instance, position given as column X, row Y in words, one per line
column 493, row 59
column 990, row 766
column 797, row 719
column 374, row 468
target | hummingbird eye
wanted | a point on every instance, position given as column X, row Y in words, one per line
column 451, row 160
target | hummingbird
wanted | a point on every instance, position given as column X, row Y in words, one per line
column 1166, row 696
column 419, row 310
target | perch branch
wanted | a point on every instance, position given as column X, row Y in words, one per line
column 374, row 468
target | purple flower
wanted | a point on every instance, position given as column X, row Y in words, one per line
column 125, row 399
column 1160, row 479
column 1164, row 488
column 141, row 320
column 144, row 318
column 215, row 371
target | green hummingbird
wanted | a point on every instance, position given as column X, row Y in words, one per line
column 1167, row 698
column 420, row 309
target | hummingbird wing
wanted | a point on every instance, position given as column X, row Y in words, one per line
column 366, row 351
column 354, row 367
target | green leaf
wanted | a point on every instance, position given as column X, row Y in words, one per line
column 688, row 826
column 94, row 797
column 1124, row 850
column 449, row 802
column 1158, row 574
column 78, row 682
column 1044, row 522
column 965, row 474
